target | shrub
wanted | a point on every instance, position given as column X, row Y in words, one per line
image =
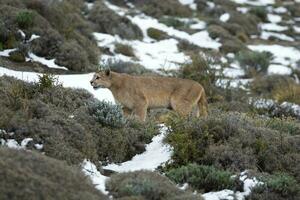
column 146, row 185
column 46, row 81
column 124, row 49
column 29, row 175
column 232, row 45
column 171, row 21
column 216, row 31
column 260, row 12
column 234, row 141
column 25, row 19
column 264, row 85
column 247, row 21
column 277, row 186
column 60, row 119
column 157, row 8
column 17, row 56
column 156, row 34
column 289, row 92
column 107, row 21
column 202, row 177
column 201, row 70
column 127, row 67
column 107, row 114
column 254, row 62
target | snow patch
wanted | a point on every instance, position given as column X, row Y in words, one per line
column 274, row 18
column 225, row 17
column 266, row 35
column 279, row 69
column 255, row 2
column 49, row 63
column 97, row 178
column 156, row 154
column 273, row 27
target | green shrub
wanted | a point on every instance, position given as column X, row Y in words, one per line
column 60, row 119
column 146, row 185
column 1, row 46
column 25, row 19
column 254, row 62
column 277, row 186
column 157, row 8
column 46, row 81
column 17, row 56
column 171, row 21
column 29, row 175
column 156, row 34
column 235, row 141
column 108, row 114
column 202, row 177
column 260, row 12
column 124, row 49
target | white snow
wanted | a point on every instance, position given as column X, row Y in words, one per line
column 297, row 28
column 97, row 178
column 39, row 146
column 282, row 54
column 225, row 17
column 255, row 2
column 6, row 52
column 73, row 80
column 49, row 63
column 33, row 37
column 189, row 3
column 249, row 183
column 25, row 141
column 198, row 25
column 274, row 18
column 156, row 154
column 234, row 71
column 273, row 27
column 266, row 35
column 280, row 10
column 279, row 69
column 11, row 143
column 210, row 4
column 243, row 10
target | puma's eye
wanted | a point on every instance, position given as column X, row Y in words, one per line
column 97, row 77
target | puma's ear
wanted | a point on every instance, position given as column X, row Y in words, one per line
column 107, row 72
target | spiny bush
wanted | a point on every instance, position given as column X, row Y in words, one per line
column 25, row 19
column 202, row 177
column 156, row 34
column 108, row 114
column 124, row 49
column 254, row 62
column 278, row 186
column 146, row 185
column 29, row 175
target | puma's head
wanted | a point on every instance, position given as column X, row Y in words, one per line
column 101, row 79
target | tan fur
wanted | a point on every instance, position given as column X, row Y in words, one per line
column 138, row 93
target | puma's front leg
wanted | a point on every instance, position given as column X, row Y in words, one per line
column 140, row 110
